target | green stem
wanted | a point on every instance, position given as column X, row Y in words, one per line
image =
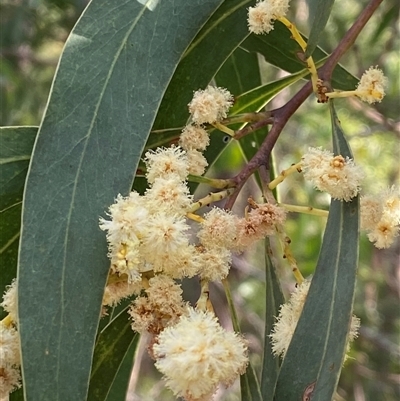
column 228, row 294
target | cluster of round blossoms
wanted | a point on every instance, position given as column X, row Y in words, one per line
column 151, row 245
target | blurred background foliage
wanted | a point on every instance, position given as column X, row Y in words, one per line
column 31, row 40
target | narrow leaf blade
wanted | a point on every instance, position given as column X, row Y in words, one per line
column 274, row 299
column 16, row 145
column 113, row 344
column 315, row 355
column 240, row 72
column 320, row 10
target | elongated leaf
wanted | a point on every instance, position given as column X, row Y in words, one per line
column 274, row 298
column 219, row 37
column 320, row 10
column 315, row 355
column 240, row 72
column 17, row 395
column 257, row 98
column 16, row 145
column 249, row 387
column 280, row 50
column 120, row 385
column 110, row 81
column 113, row 344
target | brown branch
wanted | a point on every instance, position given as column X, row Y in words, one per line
column 282, row 115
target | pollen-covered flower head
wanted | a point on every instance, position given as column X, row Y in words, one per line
column 214, row 263
column 165, row 234
column 288, row 317
column 164, row 162
column 371, row 87
column 197, row 163
column 336, row 175
column 124, row 232
column 169, row 195
column 218, row 229
column 197, row 354
column 194, row 138
column 210, row 105
column 261, row 17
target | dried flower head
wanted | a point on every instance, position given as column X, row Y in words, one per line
column 164, row 162
column 161, row 307
column 10, row 377
column 197, row 354
column 210, row 105
column 259, row 223
column 194, row 137
column 261, row 17
column 371, row 87
column 336, row 175
column 289, row 315
column 115, row 292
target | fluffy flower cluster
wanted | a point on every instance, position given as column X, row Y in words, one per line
column 336, row 175
column 380, row 217
column 262, row 17
column 10, row 377
column 289, row 315
column 194, row 140
column 210, row 105
column 197, row 354
column 149, row 232
column 150, row 246
column 371, row 87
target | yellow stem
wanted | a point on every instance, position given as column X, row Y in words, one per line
column 284, row 173
column 287, row 254
column 223, row 128
column 203, row 303
column 7, row 321
column 212, row 182
column 337, row 94
column 305, row 210
column 194, row 217
column 310, row 62
column 212, row 197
